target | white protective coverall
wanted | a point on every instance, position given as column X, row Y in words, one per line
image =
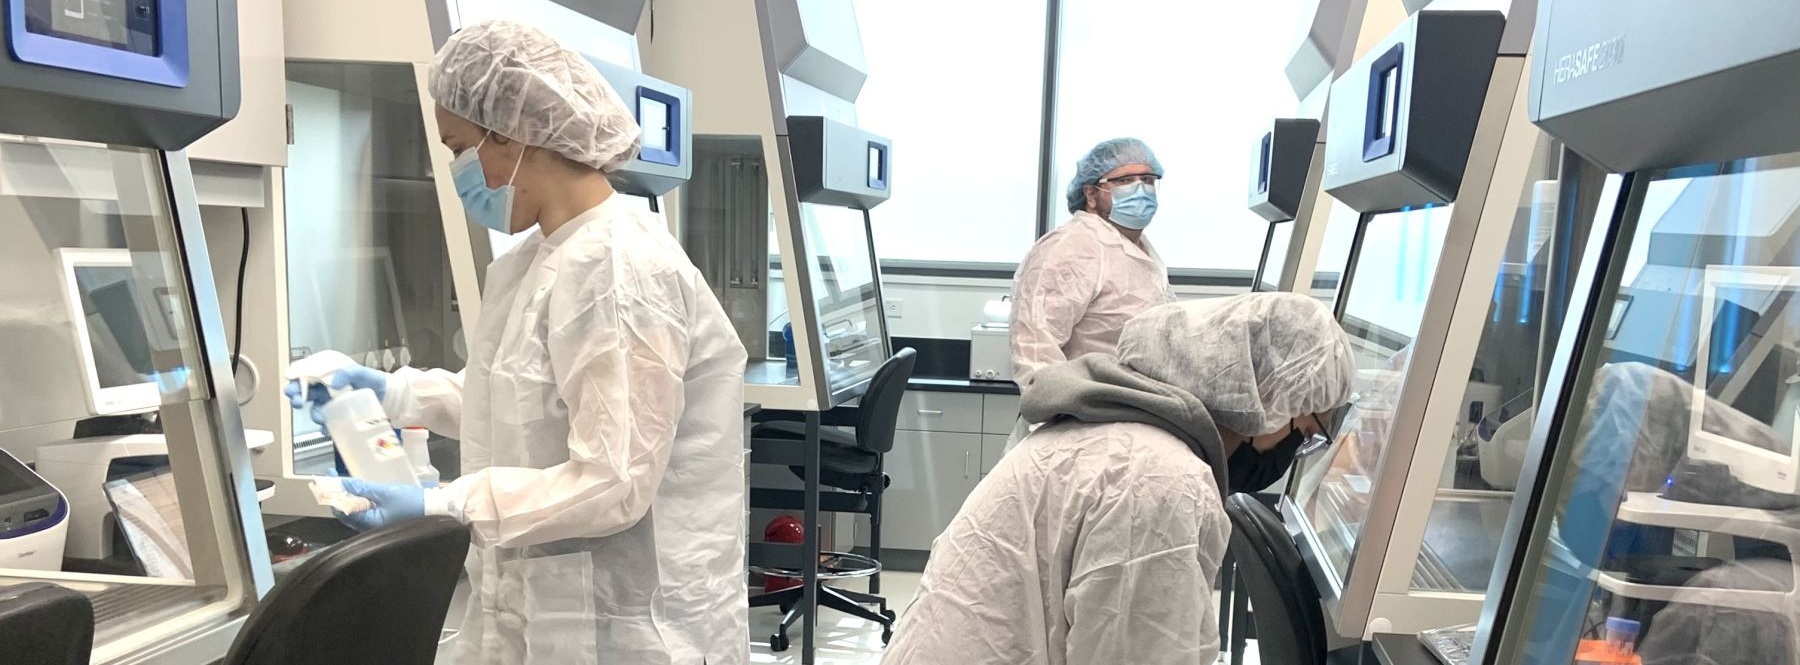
column 600, row 414
column 1099, row 541
column 1074, row 291
column 601, row 420
column 1087, row 545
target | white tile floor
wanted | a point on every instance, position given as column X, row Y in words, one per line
column 845, row 640
column 842, row 640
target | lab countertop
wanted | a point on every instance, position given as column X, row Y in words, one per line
column 947, row 384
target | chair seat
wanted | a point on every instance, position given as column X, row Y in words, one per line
column 842, row 463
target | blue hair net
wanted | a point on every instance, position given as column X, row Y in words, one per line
column 1103, row 158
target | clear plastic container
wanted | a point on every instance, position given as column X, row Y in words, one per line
column 1621, row 635
column 417, row 442
column 366, row 440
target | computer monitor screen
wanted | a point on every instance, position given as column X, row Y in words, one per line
column 126, row 25
column 150, row 516
column 1731, row 303
column 117, row 335
column 112, row 337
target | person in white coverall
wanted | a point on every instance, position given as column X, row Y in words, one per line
column 1098, row 540
column 601, row 412
column 1080, row 283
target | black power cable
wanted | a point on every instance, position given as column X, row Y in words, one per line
column 237, row 338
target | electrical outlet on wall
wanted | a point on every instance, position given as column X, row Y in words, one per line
column 893, row 307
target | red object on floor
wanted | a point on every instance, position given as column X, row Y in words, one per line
column 784, row 529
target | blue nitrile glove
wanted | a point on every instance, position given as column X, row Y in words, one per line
column 355, row 378
column 393, row 504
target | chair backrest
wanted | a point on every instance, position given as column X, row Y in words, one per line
column 879, row 409
column 1290, row 626
column 45, row 624
column 379, row 597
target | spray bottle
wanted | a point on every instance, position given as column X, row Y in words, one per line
column 356, row 422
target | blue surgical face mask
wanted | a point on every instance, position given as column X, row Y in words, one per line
column 1133, row 206
column 491, row 208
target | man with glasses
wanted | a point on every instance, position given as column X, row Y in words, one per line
column 1076, row 288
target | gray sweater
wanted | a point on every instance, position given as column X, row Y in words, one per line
column 1096, row 388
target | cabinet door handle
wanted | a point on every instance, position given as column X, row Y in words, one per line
column 931, row 412
column 966, row 458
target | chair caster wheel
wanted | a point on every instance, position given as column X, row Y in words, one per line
column 887, row 631
column 778, row 643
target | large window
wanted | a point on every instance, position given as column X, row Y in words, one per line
column 1199, row 82
column 958, row 86
column 963, row 101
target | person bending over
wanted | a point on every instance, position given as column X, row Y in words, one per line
column 1098, row 539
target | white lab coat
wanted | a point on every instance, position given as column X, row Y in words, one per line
column 601, row 422
column 1074, row 292
column 1076, row 289
column 1090, row 544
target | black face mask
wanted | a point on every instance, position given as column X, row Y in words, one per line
column 1251, row 470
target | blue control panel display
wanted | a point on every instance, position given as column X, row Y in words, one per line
column 1265, row 164
column 138, row 40
column 878, row 166
column 1383, row 116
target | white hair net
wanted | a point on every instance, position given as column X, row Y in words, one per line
column 1256, row 361
column 519, row 82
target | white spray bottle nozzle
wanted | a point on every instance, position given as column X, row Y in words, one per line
column 318, row 369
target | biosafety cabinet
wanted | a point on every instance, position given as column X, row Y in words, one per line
column 777, row 215
column 373, row 256
column 1462, row 226
column 1282, row 164
column 1307, row 245
column 365, row 249
column 1664, row 468
column 114, row 341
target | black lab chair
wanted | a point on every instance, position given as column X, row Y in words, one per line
column 379, row 597
column 45, row 624
column 850, row 480
column 1290, row 625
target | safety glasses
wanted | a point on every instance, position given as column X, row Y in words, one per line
column 1148, row 180
column 1328, row 429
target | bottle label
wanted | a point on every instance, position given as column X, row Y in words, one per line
column 387, row 447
